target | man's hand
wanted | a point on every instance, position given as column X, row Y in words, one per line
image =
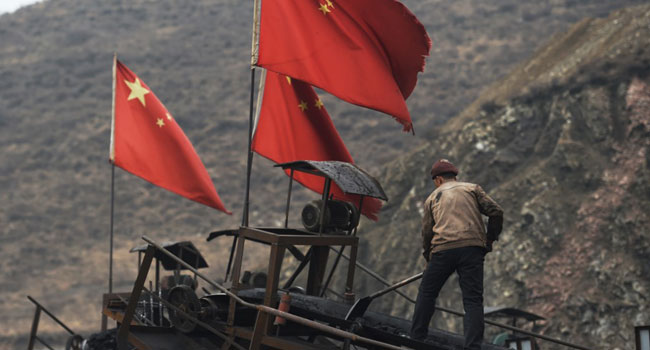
column 427, row 254
column 488, row 245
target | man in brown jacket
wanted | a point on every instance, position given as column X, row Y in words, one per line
column 454, row 238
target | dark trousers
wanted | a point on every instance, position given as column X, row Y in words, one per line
column 468, row 263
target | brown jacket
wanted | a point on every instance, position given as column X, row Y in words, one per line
column 452, row 218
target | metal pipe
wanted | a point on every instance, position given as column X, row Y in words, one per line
column 43, row 342
column 272, row 311
column 35, row 322
column 157, row 274
column 374, row 275
column 51, row 315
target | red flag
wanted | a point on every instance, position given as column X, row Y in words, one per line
column 294, row 125
column 147, row 142
column 366, row 52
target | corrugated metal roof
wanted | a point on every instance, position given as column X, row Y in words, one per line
column 349, row 177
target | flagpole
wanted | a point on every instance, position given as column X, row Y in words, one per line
column 249, row 163
column 110, row 259
column 111, row 160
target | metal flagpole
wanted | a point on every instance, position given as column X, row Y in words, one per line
column 111, row 159
column 254, row 53
column 110, row 259
column 249, row 163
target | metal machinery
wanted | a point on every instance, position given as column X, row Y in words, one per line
column 241, row 317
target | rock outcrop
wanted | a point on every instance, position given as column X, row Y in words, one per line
column 563, row 143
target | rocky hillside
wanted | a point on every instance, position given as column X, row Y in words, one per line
column 563, row 143
column 55, row 91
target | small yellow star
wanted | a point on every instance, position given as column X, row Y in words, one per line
column 160, row 122
column 288, row 79
column 302, row 106
column 137, row 91
column 329, row 3
column 318, row 104
column 169, row 116
column 324, row 9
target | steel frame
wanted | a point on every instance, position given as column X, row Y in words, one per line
column 33, row 337
column 280, row 240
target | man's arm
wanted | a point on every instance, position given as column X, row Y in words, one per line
column 427, row 230
column 494, row 212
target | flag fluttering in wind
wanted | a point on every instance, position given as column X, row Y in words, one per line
column 366, row 52
column 294, row 125
column 147, row 142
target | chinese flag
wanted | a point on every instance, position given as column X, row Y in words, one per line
column 366, row 52
column 294, row 125
column 147, row 142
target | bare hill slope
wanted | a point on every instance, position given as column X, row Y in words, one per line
column 55, row 82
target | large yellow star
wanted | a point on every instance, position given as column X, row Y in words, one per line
column 160, row 122
column 324, row 9
column 137, row 91
column 318, row 104
column 302, row 106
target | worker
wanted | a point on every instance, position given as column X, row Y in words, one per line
column 454, row 238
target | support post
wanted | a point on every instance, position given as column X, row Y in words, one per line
column 317, row 266
column 349, row 285
column 286, row 214
column 326, row 193
column 35, row 321
column 262, row 323
column 123, row 332
column 236, row 271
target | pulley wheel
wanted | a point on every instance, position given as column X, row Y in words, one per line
column 209, row 310
column 74, row 342
column 184, row 298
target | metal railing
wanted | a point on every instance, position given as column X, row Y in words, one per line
column 139, row 286
column 33, row 337
column 300, row 320
column 458, row 313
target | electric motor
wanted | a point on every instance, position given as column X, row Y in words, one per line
column 339, row 216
